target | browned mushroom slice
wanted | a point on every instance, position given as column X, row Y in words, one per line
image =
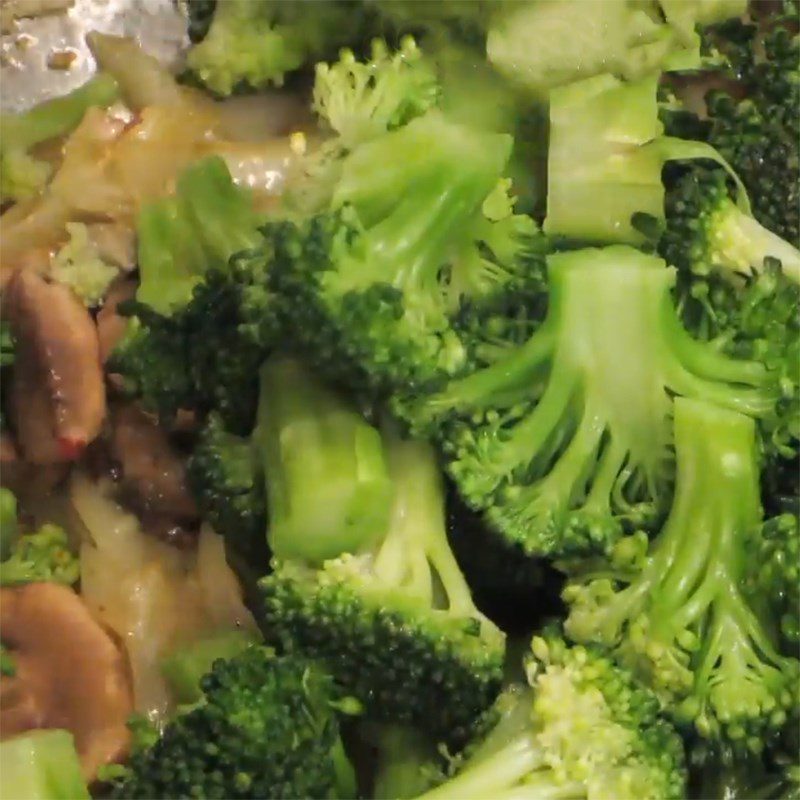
column 57, row 395
column 69, row 673
column 153, row 471
column 110, row 325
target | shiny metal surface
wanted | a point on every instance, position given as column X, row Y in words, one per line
column 31, row 51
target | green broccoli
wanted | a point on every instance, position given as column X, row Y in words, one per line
column 23, row 174
column 43, row 555
column 564, row 442
column 390, row 614
column 42, row 765
column 78, row 265
column 267, row 727
column 255, row 43
column 407, row 763
column 675, row 612
column 226, row 478
column 204, row 291
column 185, row 666
column 576, row 40
column 417, row 220
column 607, row 151
column 773, row 572
column 582, row 729
column 760, row 134
column 706, row 231
column 197, row 230
column 327, row 484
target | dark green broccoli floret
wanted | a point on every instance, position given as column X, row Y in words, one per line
column 411, row 222
column 565, row 440
column 675, row 611
column 392, row 616
column 582, row 729
column 255, row 43
column 760, row 134
column 185, row 666
column 43, row 555
column 266, row 728
column 708, row 232
column 226, row 479
column 22, row 175
column 773, row 572
column 204, row 292
column 9, row 529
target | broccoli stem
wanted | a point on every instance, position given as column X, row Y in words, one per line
column 416, row 552
column 497, row 775
column 328, row 490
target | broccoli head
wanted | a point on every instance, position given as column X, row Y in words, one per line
column 226, row 480
column 255, row 43
column 675, row 611
column 773, row 571
column 708, row 232
column 390, row 615
column 267, row 727
column 582, row 728
column 564, row 442
column 759, row 134
column 205, row 292
column 43, row 555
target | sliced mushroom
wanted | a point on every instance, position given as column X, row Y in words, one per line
column 57, row 395
column 153, row 470
column 110, row 325
column 69, row 673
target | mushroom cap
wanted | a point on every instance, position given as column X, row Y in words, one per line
column 70, row 673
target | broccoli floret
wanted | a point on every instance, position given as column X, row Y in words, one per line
column 707, row 231
column 226, row 478
column 185, row 666
column 564, row 441
column 576, row 40
column 43, row 555
column 173, row 362
column 366, row 304
column 42, row 765
column 255, row 43
column 675, row 611
column 79, row 266
column 267, row 727
column 760, row 134
column 773, row 572
column 22, row 175
column 180, row 238
column 582, row 728
column 607, row 151
column 208, row 293
column 393, row 618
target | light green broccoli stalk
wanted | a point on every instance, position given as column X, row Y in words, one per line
column 676, row 611
column 21, row 174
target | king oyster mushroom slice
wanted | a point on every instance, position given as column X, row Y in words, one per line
column 69, row 673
